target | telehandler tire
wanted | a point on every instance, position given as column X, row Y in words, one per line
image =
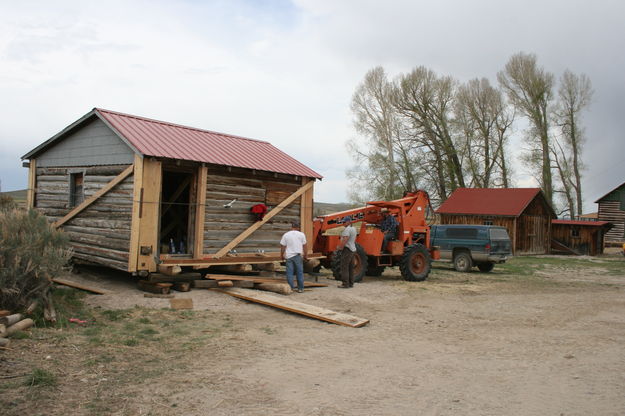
column 415, row 263
column 360, row 264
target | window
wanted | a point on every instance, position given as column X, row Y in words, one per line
column 575, row 232
column 488, row 222
column 76, row 190
column 468, row 233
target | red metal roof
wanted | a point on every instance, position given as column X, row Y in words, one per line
column 585, row 223
column 161, row 139
column 488, row 201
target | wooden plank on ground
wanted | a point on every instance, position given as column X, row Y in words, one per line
column 77, row 285
column 286, row 304
column 258, row 279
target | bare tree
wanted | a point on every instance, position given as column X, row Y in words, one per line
column 425, row 101
column 574, row 96
column 383, row 162
column 530, row 90
column 483, row 119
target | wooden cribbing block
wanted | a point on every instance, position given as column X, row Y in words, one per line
column 182, row 286
column 224, row 283
column 205, row 284
column 4, row 312
column 154, row 287
column 181, row 303
column 243, row 283
column 282, row 302
column 169, row 270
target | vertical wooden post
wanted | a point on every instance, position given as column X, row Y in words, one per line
column 200, row 213
column 32, row 183
column 514, row 234
column 136, row 208
column 145, row 214
column 306, row 213
column 150, row 214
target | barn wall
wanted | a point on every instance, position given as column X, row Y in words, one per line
column 249, row 188
column 533, row 233
column 101, row 232
column 611, row 211
column 589, row 241
column 94, row 144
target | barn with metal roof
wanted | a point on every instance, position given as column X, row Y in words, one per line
column 139, row 194
column 525, row 212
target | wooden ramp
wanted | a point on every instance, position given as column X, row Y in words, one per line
column 259, row 279
column 282, row 302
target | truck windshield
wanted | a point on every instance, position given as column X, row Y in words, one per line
column 498, row 234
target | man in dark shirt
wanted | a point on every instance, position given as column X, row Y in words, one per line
column 389, row 227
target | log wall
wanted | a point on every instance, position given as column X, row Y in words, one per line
column 589, row 239
column 221, row 224
column 100, row 233
column 611, row 211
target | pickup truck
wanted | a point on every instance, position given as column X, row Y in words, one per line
column 471, row 245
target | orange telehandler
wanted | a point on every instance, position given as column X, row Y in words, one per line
column 410, row 250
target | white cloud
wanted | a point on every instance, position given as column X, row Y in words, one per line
column 282, row 71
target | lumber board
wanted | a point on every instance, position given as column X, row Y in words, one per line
column 80, row 286
column 289, row 305
column 95, row 196
column 248, row 258
column 200, row 212
column 32, row 184
column 267, row 217
column 257, row 279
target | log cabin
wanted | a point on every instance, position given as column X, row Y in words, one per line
column 138, row 194
column 612, row 209
column 524, row 212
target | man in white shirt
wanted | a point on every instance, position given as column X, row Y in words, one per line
column 293, row 250
column 347, row 245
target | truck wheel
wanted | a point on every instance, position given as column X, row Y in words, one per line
column 485, row 267
column 415, row 263
column 463, row 262
column 360, row 264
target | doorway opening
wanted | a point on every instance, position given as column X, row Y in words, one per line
column 175, row 223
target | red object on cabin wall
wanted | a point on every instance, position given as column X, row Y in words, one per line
column 259, row 210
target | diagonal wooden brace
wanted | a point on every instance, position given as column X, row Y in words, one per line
column 95, row 196
column 260, row 223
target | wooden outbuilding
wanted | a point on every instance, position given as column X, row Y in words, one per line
column 612, row 209
column 524, row 212
column 137, row 194
column 578, row 237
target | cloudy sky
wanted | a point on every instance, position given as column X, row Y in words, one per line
column 284, row 71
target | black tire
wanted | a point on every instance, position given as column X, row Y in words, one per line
column 463, row 262
column 360, row 266
column 486, row 267
column 375, row 271
column 317, row 268
column 415, row 263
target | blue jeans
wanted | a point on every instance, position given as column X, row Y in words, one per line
column 295, row 263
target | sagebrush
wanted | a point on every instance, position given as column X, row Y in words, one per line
column 32, row 252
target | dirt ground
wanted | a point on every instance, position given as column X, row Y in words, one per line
column 547, row 343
